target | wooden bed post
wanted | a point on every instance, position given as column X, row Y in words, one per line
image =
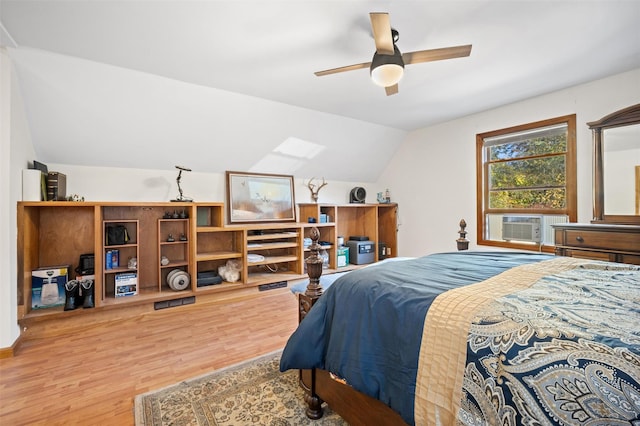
column 314, row 271
column 463, row 243
column 306, row 301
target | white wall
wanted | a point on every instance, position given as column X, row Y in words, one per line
column 128, row 184
column 15, row 150
column 89, row 113
column 119, row 184
column 433, row 174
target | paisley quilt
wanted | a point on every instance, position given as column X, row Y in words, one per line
column 564, row 349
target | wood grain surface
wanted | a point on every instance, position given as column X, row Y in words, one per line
column 92, row 375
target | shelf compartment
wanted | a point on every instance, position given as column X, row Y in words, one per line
column 51, row 234
column 315, row 211
column 218, row 242
column 132, row 230
column 327, row 235
column 281, row 246
column 209, row 215
column 176, row 228
column 109, row 284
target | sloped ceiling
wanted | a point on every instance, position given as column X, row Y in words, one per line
column 229, row 85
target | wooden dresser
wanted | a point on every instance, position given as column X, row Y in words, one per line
column 614, row 243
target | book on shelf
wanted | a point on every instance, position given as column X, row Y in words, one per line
column 126, row 284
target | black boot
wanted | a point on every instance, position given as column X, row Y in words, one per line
column 72, row 293
column 88, row 292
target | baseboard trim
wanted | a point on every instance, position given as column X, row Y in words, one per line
column 11, row 351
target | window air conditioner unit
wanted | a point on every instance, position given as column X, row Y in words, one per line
column 521, row 228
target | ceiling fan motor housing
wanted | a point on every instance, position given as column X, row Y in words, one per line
column 387, row 70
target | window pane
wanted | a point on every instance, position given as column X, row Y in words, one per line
column 552, row 198
column 526, row 170
column 529, row 147
column 533, row 173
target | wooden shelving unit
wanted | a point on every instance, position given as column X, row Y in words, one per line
column 58, row 232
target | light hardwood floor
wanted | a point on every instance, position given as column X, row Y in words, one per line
column 92, row 376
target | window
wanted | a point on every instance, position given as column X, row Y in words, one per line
column 526, row 181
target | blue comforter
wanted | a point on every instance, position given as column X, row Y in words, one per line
column 367, row 327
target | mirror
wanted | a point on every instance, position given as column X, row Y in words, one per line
column 621, row 158
column 616, row 162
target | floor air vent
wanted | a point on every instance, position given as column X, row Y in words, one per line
column 174, row 302
column 271, row 286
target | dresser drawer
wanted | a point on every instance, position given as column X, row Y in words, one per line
column 593, row 255
column 628, row 258
column 604, row 240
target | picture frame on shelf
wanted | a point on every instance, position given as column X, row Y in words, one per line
column 260, row 197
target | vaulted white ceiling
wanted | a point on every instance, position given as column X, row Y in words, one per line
column 148, row 83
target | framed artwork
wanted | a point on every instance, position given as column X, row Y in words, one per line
column 257, row 197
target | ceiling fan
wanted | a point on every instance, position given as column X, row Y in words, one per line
column 387, row 65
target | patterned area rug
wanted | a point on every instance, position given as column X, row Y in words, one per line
column 254, row 392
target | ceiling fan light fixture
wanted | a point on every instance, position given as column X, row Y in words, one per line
column 387, row 70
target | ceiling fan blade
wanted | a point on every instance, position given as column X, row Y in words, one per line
column 382, row 33
column 436, row 54
column 343, row 69
column 391, row 90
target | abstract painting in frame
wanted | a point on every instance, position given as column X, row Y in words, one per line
column 259, row 197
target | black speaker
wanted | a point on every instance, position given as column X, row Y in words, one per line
column 86, row 264
column 357, row 195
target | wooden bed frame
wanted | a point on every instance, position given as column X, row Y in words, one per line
column 353, row 406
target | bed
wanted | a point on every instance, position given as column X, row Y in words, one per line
column 473, row 338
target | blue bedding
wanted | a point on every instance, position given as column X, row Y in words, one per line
column 327, row 280
column 367, row 327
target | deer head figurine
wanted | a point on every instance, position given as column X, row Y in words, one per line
column 314, row 191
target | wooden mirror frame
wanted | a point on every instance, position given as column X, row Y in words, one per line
column 623, row 117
